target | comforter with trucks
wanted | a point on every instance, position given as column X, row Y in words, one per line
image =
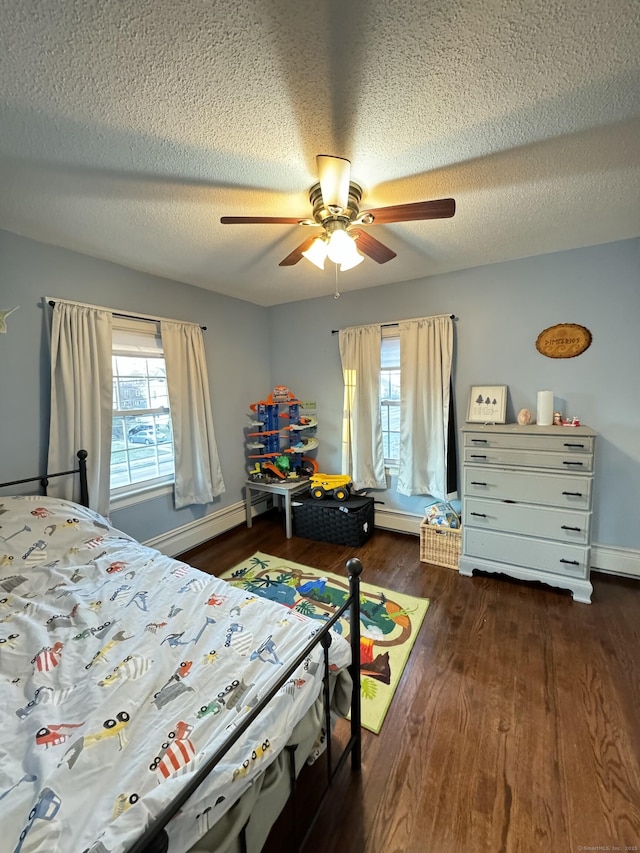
column 121, row 671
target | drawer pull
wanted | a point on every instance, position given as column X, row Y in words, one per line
column 478, row 456
column 566, row 527
column 479, row 440
column 570, row 562
column 569, row 444
column 573, row 494
column 479, row 514
column 508, row 501
column 477, row 483
column 571, row 463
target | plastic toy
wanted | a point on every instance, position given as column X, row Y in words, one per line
column 337, row 485
column 442, row 514
column 280, row 449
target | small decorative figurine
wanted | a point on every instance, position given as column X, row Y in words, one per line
column 524, row 417
column 557, row 418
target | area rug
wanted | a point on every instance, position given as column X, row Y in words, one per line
column 389, row 621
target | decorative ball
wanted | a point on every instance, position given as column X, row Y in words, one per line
column 524, row 417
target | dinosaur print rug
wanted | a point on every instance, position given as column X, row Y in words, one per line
column 389, row 621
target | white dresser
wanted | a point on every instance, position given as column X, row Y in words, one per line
column 526, row 508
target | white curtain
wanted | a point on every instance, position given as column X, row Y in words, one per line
column 426, row 348
column 198, row 477
column 81, row 400
column 362, row 450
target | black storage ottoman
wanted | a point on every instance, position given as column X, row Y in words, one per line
column 341, row 522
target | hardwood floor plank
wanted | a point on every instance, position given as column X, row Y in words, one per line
column 515, row 724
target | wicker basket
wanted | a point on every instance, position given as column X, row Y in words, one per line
column 440, row 545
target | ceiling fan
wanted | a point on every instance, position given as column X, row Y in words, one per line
column 335, row 201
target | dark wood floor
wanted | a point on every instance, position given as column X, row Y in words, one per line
column 515, row 727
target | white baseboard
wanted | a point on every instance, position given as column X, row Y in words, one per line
column 615, row 561
column 604, row 558
column 196, row 532
column 400, row 522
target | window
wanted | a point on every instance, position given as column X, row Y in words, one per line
column 390, row 396
column 142, row 453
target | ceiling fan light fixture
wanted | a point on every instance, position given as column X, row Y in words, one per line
column 317, row 252
column 341, row 246
column 353, row 261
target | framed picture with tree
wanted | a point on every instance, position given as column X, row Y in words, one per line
column 487, row 404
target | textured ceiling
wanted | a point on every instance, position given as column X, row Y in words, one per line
column 127, row 129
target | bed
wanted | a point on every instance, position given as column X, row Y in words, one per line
column 147, row 705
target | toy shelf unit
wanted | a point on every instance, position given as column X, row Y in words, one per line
column 279, row 438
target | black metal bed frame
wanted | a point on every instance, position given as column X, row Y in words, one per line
column 43, row 479
column 155, row 838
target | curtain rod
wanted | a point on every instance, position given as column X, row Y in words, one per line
column 388, row 325
column 148, row 318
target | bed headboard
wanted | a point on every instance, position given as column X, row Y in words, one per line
column 43, row 479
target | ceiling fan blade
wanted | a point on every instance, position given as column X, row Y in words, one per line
column 334, row 174
column 260, row 220
column 372, row 247
column 442, row 208
column 296, row 255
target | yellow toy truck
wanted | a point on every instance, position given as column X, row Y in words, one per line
column 337, row 486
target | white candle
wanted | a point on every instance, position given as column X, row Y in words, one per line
column 545, row 408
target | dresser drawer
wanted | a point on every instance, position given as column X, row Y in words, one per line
column 548, row 522
column 530, row 487
column 562, row 442
column 555, row 557
column 526, row 458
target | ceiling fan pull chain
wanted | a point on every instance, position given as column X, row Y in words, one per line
column 336, row 295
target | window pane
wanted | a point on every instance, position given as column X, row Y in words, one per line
column 142, row 441
column 133, row 393
column 143, row 464
column 390, row 352
column 156, row 367
column 394, row 418
column 390, row 385
column 125, row 364
column 119, row 469
column 390, row 397
column 158, row 394
column 394, row 385
column 385, row 386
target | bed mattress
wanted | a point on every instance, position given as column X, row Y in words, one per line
column 121, row 671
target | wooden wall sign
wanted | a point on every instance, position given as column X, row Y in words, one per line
column 565, row 340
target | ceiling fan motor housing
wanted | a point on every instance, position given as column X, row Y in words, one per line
column 324, row 214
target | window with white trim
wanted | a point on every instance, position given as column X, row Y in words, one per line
column 390, row 396
column 142, row 453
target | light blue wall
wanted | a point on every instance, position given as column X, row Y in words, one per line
column 500, row 310
column 236, row 343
